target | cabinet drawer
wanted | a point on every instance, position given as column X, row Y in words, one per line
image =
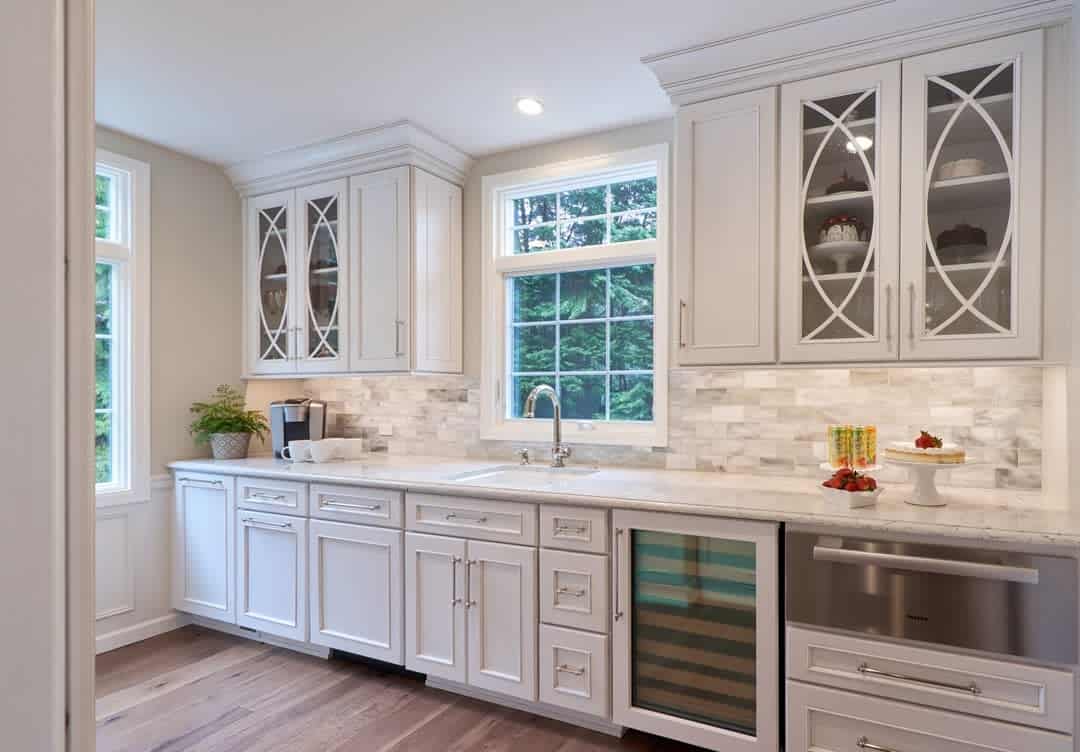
column 828, row 720
column 574, row 590
column 268, row 495
column 1007, row 691
column 574, row 528
column 367, row 506
column 574, row 670
column 500, row 521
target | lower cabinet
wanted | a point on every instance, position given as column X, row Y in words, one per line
column 272, row 573
column 203, row 546
column 574, row 670
column 355, row 589
column 470, row 612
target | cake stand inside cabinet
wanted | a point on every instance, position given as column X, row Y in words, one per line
column 923, row 475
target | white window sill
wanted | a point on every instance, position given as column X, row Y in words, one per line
column 538, row 430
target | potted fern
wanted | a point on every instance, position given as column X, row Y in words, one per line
column 226, row 424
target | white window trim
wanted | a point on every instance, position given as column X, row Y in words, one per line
column 131, row 327
column 495, row 190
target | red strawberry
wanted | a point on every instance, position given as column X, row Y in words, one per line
column 873, row 484
column 863, row 483
column 851, row 486
column 927, row 440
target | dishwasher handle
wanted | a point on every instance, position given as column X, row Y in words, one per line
column 956, row 567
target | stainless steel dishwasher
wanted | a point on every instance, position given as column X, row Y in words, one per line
column 984, row 599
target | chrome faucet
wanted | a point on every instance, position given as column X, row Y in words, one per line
column 558, row 452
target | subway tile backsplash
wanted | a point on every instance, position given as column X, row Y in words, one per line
column 768, row 421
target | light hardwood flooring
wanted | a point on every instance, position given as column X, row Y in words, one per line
column 199, row 690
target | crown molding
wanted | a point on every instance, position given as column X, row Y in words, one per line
column 839, row 39
column 392, row 145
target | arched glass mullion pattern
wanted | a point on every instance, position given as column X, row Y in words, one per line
column 323, row 344
column 838, row 310
column 967, row 303
column 274, row 336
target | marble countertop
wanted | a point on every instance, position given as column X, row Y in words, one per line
column 988, row 515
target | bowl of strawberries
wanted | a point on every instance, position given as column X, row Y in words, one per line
column 850, row 489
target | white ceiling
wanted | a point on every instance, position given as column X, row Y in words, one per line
column 230, row 81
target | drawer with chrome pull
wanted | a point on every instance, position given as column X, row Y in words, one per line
column 499, row 521
column 829, row 720
column 366, row 506
column 574, row 528
column 574, row 590
column 268, row 495
column 1007, row 691
column 574, row 670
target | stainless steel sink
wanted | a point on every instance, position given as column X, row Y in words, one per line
column 517, row 473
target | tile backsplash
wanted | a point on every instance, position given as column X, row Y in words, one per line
column 744, row 421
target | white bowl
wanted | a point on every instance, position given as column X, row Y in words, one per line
column 838, row 497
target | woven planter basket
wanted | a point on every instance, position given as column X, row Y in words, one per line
column 229, row 446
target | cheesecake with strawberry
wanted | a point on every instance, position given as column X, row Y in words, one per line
column 926, row 448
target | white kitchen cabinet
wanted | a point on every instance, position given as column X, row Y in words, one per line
column 270, row 284
column 725, row 249
column 355, row 589
column 839, row 206
column 406, row 257
column 204, row 545
column 470, row 612
column 971, row 264
column 271, row 590
column 695, row 653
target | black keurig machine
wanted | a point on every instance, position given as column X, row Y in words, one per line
column 296, row 419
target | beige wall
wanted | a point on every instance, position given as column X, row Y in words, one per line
column 620, row 139
column 195, row 289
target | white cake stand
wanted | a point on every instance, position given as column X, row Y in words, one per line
column 925, row 493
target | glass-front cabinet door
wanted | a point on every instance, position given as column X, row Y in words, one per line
column 272, row 321
column 696, row 637
column 839, row 206
column 972, row 197
column 321, row 260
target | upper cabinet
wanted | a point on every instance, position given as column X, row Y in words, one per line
column 972, row 209
column 360, row 274
column 725, row 258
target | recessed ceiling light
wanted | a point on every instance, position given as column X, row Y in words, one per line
column 530, row 106
column 861, row 143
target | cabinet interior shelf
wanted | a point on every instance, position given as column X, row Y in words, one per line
column 854, row 125
column 974, row 266
column 280, row 275
column 325, row 270
column 977, row 192
column 970, row 126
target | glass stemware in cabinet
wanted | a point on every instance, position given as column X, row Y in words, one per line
column 322, row 254
column 273, row 284
column 968, row 275
column 839, row 201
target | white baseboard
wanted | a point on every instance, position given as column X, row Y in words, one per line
column 144, row 630
column 254, row 634
column 574, row 718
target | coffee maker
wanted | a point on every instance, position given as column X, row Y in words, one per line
column 295, row 419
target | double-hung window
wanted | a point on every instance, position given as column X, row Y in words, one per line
column 575, row 296
column 121, row 329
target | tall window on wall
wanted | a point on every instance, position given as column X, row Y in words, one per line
column 575, row 296
column 122, row 329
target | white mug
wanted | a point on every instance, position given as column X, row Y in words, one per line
column 326, row 450
column 298, row 450
column 352, row 449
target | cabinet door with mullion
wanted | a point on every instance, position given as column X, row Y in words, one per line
column 271, row 282
column 839, row 210
column 971, row 260
column 322, row 277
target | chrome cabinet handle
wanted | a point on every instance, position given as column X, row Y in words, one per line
column 347, row 505
column 398, row 323
column 911, row 313
column 864, row 743
column 265, row 497
column 618, row 536
column 463, row 518
column 954, row 567
column 571, row 529
column 566, row 669
column 867, row 670
column 576, row 592
column 682, row 315
column 202, row 481
column 469, row 602
column 454, row 600
column 252, row 521
column 888, row 317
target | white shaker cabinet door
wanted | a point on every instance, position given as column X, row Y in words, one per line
column 501, row 601
column 435, row 606
column 437, row 268
column 203, row 546
column 272, row 573
column 356, row 589
column 725, row 250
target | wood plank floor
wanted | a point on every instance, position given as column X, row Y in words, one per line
column 199, row 690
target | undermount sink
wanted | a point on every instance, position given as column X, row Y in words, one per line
column 505, row 473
